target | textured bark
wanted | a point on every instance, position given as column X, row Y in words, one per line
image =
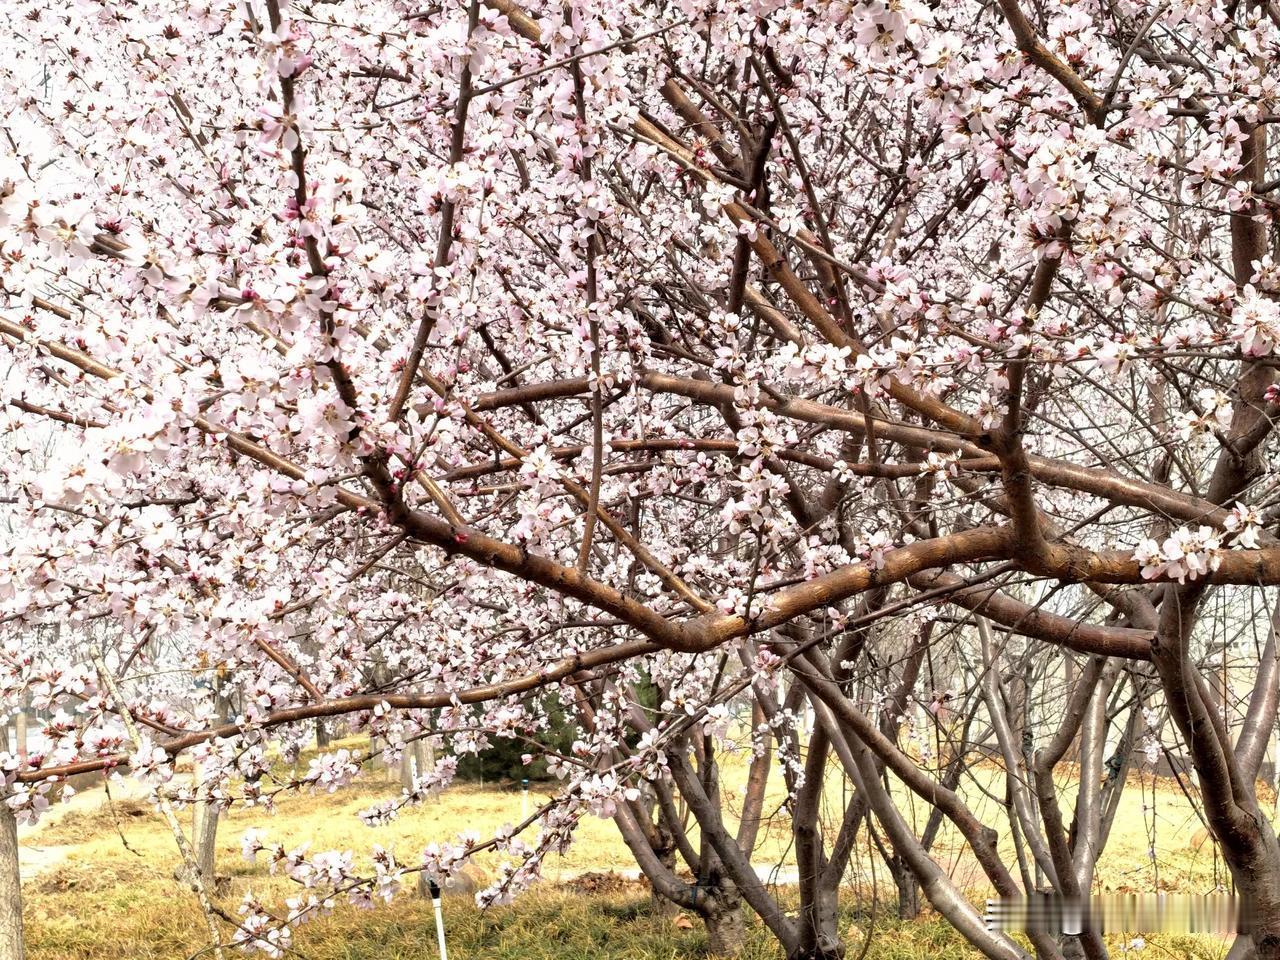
column 1087, row 832
column 1016, row 776
column 724, row 847
column 810, row 855
column 726, row 931
column 654, row 850
column 1048, row 757
column 713, row 897
column 908, row 888
column 205, row 817
column 665, row 850
column 11, row 944
column 1248, row 841
column 204, row 835
column 860, row 764
column 757, row 781
column 1114, row 790
column 1260, row 718
column 11, row 941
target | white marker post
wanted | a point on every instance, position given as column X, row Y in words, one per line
column 435, row 901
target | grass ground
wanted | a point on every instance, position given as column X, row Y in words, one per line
column 548, row 925
column 109, row 893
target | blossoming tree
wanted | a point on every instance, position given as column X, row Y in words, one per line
column 379, row 358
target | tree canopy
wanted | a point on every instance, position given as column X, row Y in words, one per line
column 495, row 361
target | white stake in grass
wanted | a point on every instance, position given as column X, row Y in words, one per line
column 435, row 901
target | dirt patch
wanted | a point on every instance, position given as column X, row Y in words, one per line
column 89, row 877
column 604, row 882
column 79, row 826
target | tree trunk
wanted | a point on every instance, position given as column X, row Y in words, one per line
column 204, row 826
column 204, row 838
column 824, row 916
column 1072, row 948
column 808, row 841
column 322, row 734
column 660, row 906
column 665, row 849
column 757, row 784
column 908, row 887
column 11, row 945
column 726, row 929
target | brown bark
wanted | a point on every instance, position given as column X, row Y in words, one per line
column 11, row 937
column 204, row 832
column 726, row 931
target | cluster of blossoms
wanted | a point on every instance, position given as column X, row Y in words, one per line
column 1255, row 323
column 1185, row 554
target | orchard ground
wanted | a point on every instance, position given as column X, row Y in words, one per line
column 98, row 880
